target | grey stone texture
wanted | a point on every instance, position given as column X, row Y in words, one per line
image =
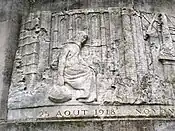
column 34, row 36
column 96, row 126
column 127, row 58
column 9, row 30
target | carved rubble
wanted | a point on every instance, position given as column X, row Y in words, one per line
column 111, row 56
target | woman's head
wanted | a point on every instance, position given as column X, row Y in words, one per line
column 80, row 37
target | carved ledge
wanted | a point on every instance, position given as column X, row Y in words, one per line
column 167, row 60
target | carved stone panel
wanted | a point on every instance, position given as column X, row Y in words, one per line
column 94, row 62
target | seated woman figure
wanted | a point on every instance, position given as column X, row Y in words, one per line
column 74, row 71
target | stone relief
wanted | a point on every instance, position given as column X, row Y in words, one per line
column 161, row 23
column 73, row 71
column 106, row 57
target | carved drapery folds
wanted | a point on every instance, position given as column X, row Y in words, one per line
column 73, row 72
column 129, row 57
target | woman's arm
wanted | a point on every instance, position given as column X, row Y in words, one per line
column 61, row 65
column 62, row 61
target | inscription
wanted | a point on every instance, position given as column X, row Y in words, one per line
column 160, row 111
column 68, row 113
column 78, row 113
column 96, row 111
column 108, row 112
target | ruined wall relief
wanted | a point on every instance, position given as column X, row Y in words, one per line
column 163, row 24
column 32, row 60
column 122, row 60
column 161, row 28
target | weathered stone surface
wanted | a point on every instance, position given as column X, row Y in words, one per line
column 102, row 60
column 113, row 63
column 9, row 30
column 120, row 125
column 124, row 52
column 165, row 6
